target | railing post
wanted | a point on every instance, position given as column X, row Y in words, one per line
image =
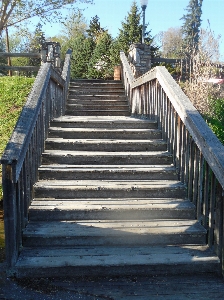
column 10, row 215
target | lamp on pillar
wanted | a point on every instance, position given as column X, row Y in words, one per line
column 143, row 5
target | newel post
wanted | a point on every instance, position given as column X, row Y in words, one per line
column 139, row 58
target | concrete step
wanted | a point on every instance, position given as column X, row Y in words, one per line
column 110, row 209
column 113, row 232
column 69, row 112
column 95, row 91
column 105, row 145
column 97, row 97
column 104, row 133
column 120, row 122
column 101, row 157
column 98, row 102
column 95, row 81
column 108, row 261
column 70, row 189
column 102, row 106
column 107, row 172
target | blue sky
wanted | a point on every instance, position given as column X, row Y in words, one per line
column 160, row 14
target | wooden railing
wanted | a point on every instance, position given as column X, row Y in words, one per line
column 21, row 158
column 20, row 68
column 198, row 155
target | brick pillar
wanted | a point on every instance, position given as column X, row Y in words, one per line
column 139, row 57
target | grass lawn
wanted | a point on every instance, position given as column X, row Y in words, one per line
column 14, row 91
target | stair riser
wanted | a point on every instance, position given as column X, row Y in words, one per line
column 66, row 193
column 97, row 113
column 106, row 175
column 76, row 146
column 121, row 239
column 61, row 215
column 150, row 134
column 91, row 107
column 111, row 160
column 96, row 91
column 105, row 125
column 119, row 271
column 92, row 82
column 100, row 98
column 96, row 102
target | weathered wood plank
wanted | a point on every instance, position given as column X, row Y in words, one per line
column 98, row 259
column 31, row 55
column 20, row 68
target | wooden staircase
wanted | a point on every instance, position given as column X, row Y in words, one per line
column 108, row 201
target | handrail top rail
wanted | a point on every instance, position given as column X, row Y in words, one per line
column 14, row 151
column 208, row 143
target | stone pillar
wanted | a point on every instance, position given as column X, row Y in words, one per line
column 139, row 57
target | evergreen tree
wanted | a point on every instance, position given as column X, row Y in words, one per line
column 100, row 65
column 191, row 27
column 95, row 30
column 82, row 52
column 131, row 30
column 35, row 44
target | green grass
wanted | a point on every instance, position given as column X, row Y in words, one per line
column 215, row 119
column 14, row 91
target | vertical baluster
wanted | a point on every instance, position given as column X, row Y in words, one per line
column 191, row 168
column 206, row 196
column 212, row 210
column 153, row 101
column 187, row 156
column 195, row 176
column 22, row 184
column 163, row 114
column 26, row 187
column 175, row 141
column 147, row 103
column 172, row 130
column 218, row 232
column 183, row 152
column 19, row 214
column 159, row 105
column 179, row 146
column 169, row 130
column 200, row 187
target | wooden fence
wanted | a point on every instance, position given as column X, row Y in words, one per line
column 19, row 68
column 198, row 155
column 21, row 158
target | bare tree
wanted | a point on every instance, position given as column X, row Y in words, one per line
column 13, row 12
column 171, row 42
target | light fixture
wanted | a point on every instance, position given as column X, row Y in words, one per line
column 144, row 4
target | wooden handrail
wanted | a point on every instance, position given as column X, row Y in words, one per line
column 198, row 155
column 22, row 156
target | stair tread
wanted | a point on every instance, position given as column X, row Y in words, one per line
column 105, row 153
column 115, row 256
column 104, row 119
column 68, row 129
column 111, row 184
column 105, row 228
column 111, row 168
column 105, row 141
column 111, row 204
